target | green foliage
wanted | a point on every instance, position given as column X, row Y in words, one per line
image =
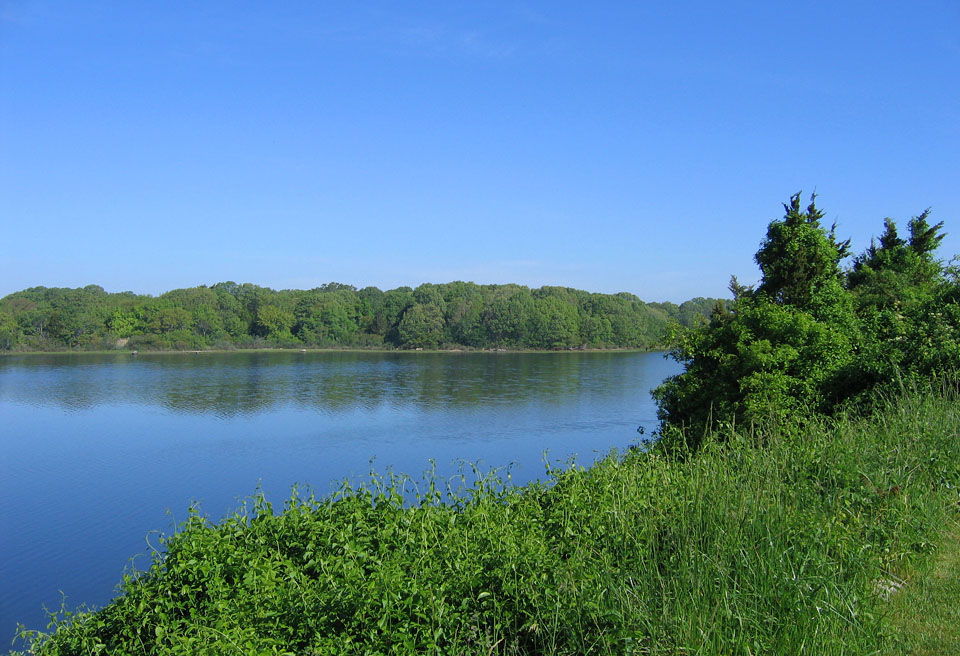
column 799, row 260
column 121, row 323
column 9, row 331
column 507, row 318
column 430, row 294
column 421, row 326
column 169, row 319
column 229, row 314
column 324, row 318
column 898, row 273
column 554, row 323
column 765, row 542
column 811, row 337
column 762, row 361
column 596, row 331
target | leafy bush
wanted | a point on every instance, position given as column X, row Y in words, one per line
column 813, row 336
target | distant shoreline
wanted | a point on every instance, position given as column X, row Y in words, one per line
column 330, row 350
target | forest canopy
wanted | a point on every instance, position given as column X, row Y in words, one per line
column 231, row 315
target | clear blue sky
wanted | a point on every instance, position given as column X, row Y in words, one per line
column 631, row 146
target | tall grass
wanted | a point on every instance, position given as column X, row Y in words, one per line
column 769, row 541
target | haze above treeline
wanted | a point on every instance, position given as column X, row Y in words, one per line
column 231, row 315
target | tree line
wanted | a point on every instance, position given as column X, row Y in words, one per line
column 231, row 315
column 815, row 336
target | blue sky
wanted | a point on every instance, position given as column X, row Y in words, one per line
column 637, row 147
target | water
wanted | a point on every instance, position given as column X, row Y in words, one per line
column 98, row 451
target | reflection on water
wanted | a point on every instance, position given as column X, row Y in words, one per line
column 96, row 448
column 242, row 383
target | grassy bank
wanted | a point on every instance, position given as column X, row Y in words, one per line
column 925, row 615
column 771, row 541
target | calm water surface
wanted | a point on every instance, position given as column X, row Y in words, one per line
column 98, row 451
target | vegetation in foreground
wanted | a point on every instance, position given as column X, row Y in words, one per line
column 925, row 615
column 768, row 541
column 228, row 315
column 814, row 336
column 789, row 492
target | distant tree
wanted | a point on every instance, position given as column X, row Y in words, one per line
column 327, row 317
column 555, row 324
column 251, row 298
column 421, row 326
column 671, row 310
column 371, row 300
column 430, row 294
column 9, row 331
column 337, row 287
column 386, row 319
column 596, row 331
column 508, row 318
column 697, row 310
column 169, row 319
column 274, row 323
column 122, row 323
column 230, row 311
column 206, row 321
column 462, row 315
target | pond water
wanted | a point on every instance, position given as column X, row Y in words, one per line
column 98, row 451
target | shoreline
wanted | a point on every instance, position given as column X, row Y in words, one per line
column 329, row 350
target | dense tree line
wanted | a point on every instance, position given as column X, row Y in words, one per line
column 815, row 336
column 228, row 315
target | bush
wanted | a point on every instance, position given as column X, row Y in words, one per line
column 812, row 337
